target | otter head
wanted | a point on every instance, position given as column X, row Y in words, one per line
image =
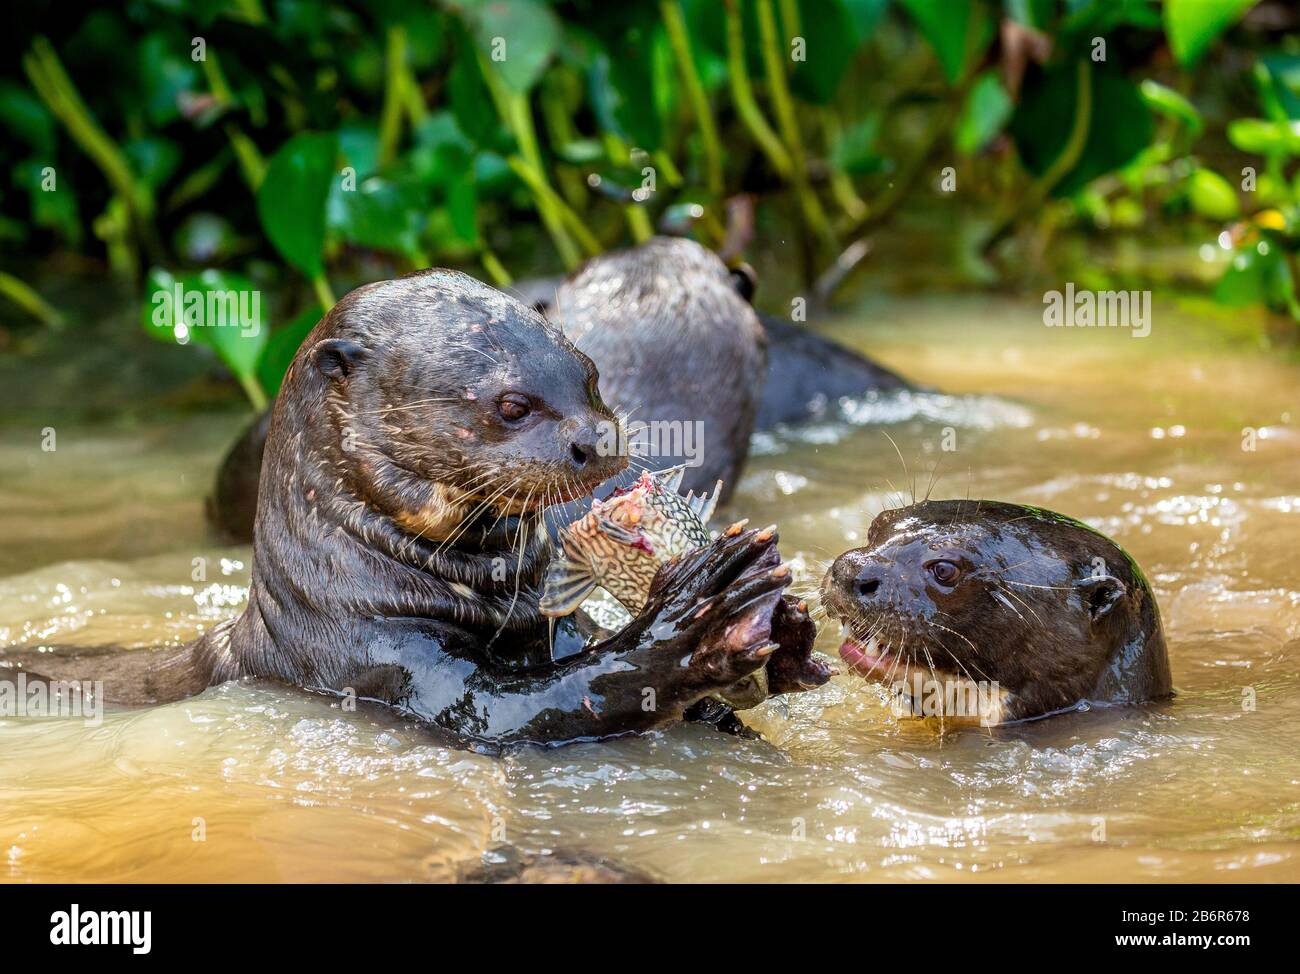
column 446, row 400
column 996, row 612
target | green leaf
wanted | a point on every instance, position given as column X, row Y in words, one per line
column 27, row 117
column 1258, row 275
column 518, row 38
column 468, row 94
column 987, row 108
column 1212, row 196
column 830, row 35
column 166, row 72
column 219, row 310
column 281, row 348
column 945, row 24
column 1278, row 76
column 854, row 151
column 359, row 145
column 1193, row 25
column 1170, row 103
column 153, row 159
column 379, row 213
column 1121, row 124
column 291, row 200
column 462, row 209
column 1259, row 137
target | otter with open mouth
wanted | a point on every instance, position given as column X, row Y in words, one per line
column 992, row 612
column 399, row 552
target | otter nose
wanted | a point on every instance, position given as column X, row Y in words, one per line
column 856, row 574
column 593, row 453
column 581, row 451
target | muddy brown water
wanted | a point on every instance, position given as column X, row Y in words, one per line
column 1142, row 438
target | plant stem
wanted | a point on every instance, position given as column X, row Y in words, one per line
column 251, row 163
column 26, row 298
column 253, row 389
column 1061, row 165
column 390, row 117
column 321, row 285
column 841, row 185
column 789, row 124
column 545, row 195
column 56, row 89
column 742, row 93
column 496, row 270
column 675, row 23
column 515, row 112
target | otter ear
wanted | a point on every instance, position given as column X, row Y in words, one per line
column 1100, row 594
column 337, row 357
column 745, row 281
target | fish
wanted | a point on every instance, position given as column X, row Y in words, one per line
column 622, row 542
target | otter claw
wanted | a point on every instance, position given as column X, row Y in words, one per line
column 803, row 605
column 736, row 528
column 766, row 534
column 781, row 570
column 765, row 650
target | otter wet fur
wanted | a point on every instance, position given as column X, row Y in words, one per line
column 421, row 430
column 1019, row 610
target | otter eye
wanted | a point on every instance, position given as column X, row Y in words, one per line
column 514, row 406
column 944, row 572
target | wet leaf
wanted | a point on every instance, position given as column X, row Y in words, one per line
column 1121, row 124
column 518, row 38
column 987, row 108
column 1170, row 103
column 1212, row 196
column 217, row 309
column 1264, row 138
column 291, row 200
column 1193, row 25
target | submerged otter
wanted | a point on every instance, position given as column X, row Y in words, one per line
column 421, row 430
column 1029, row 611
column 676, row 342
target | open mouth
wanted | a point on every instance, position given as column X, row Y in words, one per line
column 867, row 658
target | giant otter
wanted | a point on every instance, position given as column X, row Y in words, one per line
column 680, row 352
column 420, row 431
column 1027, row 611
column 675, row 339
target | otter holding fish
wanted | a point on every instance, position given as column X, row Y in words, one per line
column 622, row 542
column 399, row 550
column 1027, row 612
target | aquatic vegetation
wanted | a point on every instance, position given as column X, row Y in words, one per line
column 292, row 147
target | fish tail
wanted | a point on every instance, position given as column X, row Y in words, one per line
column 569, row 583
column 704, row 505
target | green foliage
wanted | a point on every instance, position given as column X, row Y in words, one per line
column 1193, row 25
column 411, row 132
column 291, row 198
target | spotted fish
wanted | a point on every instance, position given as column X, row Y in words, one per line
column 621, row 544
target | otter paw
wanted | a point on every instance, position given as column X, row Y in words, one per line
column 734, row 635
column 794, row 667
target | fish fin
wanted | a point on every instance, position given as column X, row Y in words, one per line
column 568, row 584
column 704, row 505
column 670, row 478
column 616, row 532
